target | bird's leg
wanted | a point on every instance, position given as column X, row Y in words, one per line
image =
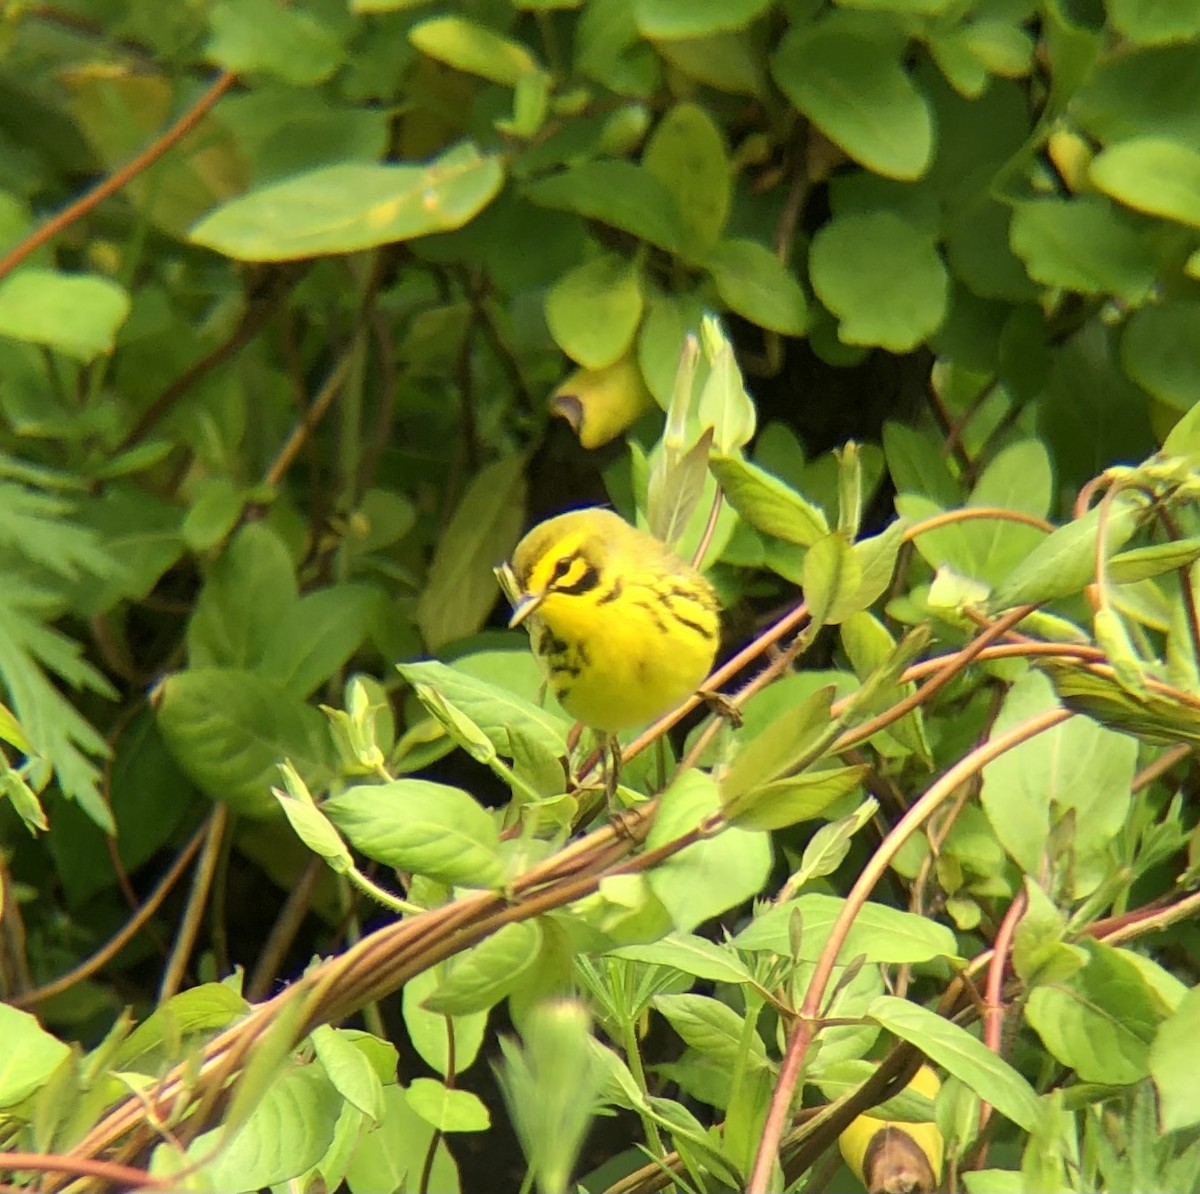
column 720, row 705
column 611, row 754
column 612, row 771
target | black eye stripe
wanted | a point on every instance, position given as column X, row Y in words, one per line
column 588, row 581
column 563, row 567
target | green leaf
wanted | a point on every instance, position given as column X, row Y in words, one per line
column 460, row 589
column 216, row 507
column 699, row 18
column 1078, row 765
column 594, row 310
column 616, row 193
column 479, row 977
column 1157, row 719
column 1086, row 245
column 260, row 35
column 1144, row 562
column 29, row 648
column 967, row 1058
column 689, row 954
column 229, row 729
column 1019, row 478
column 832, row 579
column 884, row 934
column 686, row 153
column 712, row 1028
column 141, row 538
column 283, row 130
column 1149, row 22
column 76, row 314
column 882, row 277
column 801, row 798
column 916, row 465
column 1100, row 1020
column 755, row 284
column 448, row 1110
column 178, row 1025
column 1174, row 1059
column 395, row 1155
column 854, row 88
column 828, row 847
column 926, row 8
column 1160, row 350
column 1065, row 561
column 776, row 749
column 446, row 1043
column 1152, row 174
column 315, row 636
column 766, row 503
column 1142, row 91
column 287, row 1133
column 875, row 560
column 41, row 527
column 427, row 828
column 248, row 592
column 729, row 61
column 552, row 1087
column 713, row 874
column 29, row 1057
column 473, row 48
column 347, row 1067
column 350, row 206
column 314, row 829
column 723, row 404
column 507, row 719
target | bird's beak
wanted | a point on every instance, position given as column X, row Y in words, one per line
column 527, row 604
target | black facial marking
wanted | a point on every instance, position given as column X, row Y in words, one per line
column 553, row 645
column 588, row 581
column 562, row 568
column 612, row 593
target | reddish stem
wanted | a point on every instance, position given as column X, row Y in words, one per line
column 808, row 1018
column 119, row 178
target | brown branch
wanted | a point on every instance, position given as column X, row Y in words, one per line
column 119, row 178
column 118, row 942
column 808, row 1019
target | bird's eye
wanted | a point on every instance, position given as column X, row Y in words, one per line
column 562, row 567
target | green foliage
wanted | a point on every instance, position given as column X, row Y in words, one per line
column 276, row 402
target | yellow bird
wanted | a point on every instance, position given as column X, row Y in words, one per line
column 623, row 629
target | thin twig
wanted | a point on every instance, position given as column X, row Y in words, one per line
column 283, row 931
column 310, row 419
column 128, row 931
column 258, row 313
column 193, row 915
column 993, row 1019
column 119, row 178
column 807, row 1021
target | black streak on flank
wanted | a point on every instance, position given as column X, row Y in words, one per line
column 702, row 631
column 695, row 596
column 669, row 602
column 654, row 616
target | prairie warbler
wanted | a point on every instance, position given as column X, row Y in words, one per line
column 622, row 628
